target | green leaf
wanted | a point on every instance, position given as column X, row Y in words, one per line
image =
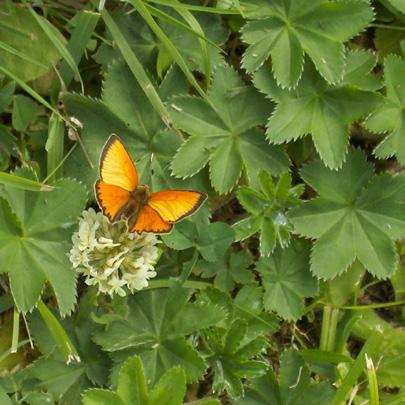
column 24, row 110
column 355, row 216
column 268, row 209
column 316, row 108
column 20, row 30
column 359, row 65
column 390, row 116
column 101, row 397
column 223, row 132
column 295, row 382
column 230, row 269
column 287, row 281
column 4, row 398
column 170, row 389
column 232, row 359
column 398, row 4
column 155, row 328
column 57, row 377
column 212, row 240
column 34, row 251
column 6, row 95
column 286, row 30
column 132, row 387
column 57, row 40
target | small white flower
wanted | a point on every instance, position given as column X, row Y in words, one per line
column 111, row 257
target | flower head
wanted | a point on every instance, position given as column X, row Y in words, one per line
column 111, row 257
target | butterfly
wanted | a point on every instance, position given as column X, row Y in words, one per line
column 120, row 195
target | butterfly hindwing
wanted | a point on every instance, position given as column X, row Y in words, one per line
column 174, row 205
column 110, row 198
column 116, row 166
column 150, row 221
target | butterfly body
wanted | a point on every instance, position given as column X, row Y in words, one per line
column 122, row 198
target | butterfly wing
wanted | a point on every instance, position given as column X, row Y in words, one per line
column 174, row 205
column 116, row 166
column 150, row 221
column 111, row 198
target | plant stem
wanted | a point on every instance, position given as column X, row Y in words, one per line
column 166, row 283
column 329, row 325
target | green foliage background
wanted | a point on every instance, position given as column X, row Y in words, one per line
column 287, row 287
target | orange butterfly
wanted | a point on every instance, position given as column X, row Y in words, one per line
column 121, row 197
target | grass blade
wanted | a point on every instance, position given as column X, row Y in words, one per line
column 22, row 183
column 86, row 23
column 136, row 67
column 195, row 25
column 59, row 45
column 370, row 348
column 19, row 54
column 372, row 382
column 171, row 49
column 205, row 9
column 33, row 93
column 164, row 16
column 61, row 338
column 55, row 147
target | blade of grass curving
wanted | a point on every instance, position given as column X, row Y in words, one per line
column 136, row 67
column 33, row 93
column 19, row 54
column 370, row 348
column 175, row 54
column 54, row 146
column 61, row 338
column 164, row 16
column 205, row 9
column 85, row 25
column 23, row 183
column 195, row 25
column 59, row 45
column 11, row 28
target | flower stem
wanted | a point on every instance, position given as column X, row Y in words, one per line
column 328, row 330
column 166, row 283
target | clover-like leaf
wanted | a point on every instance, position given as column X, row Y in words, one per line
column 355, row 216
column 132, row 387
column 390, row 116
column 212, row 240
column 287, row 30
column 125, row 110
column 287, row 280
column 230, row 269
column 35, row 230
column 223, row 132
column 268, row 211
column 233, row 359
column 316, row 108
column 155, row 329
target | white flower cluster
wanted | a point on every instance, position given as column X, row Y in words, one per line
column 110, row 256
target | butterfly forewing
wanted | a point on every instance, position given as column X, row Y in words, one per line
column 116, row 166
